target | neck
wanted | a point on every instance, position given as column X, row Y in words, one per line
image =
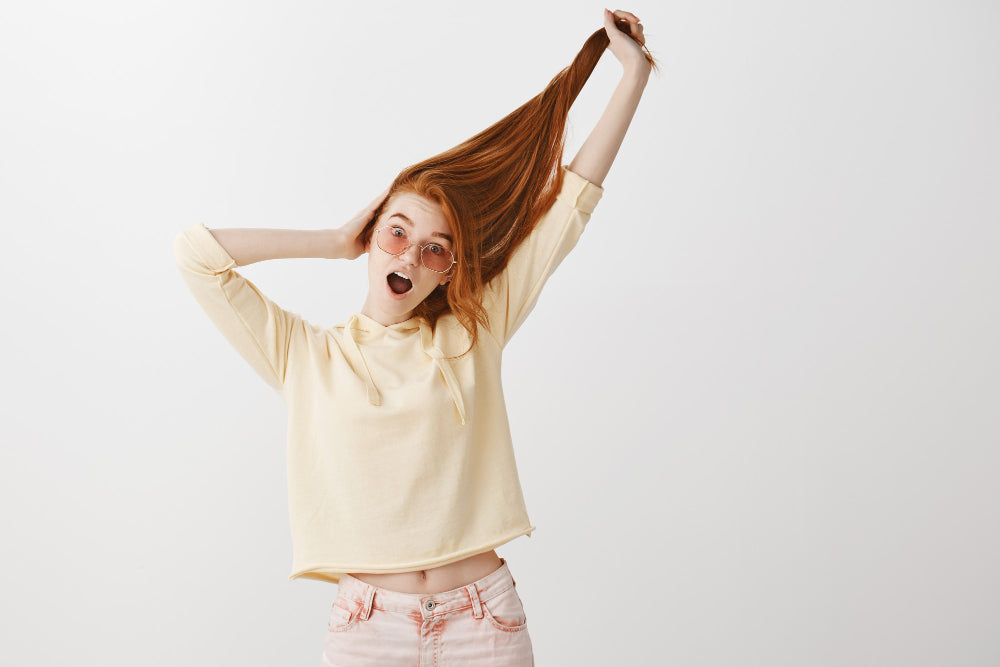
column 383, row 318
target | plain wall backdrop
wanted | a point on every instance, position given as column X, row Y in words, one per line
column 755, row 411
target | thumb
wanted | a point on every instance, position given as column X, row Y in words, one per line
column 609, row 19
column 610, row 27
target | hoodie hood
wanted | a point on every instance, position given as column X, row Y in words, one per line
column 353, row 330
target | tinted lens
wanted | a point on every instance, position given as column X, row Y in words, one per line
column 392, row 239
column 437, row 257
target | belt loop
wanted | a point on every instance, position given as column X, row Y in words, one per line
column 477, row 607
column 366, row 605
column 503, row 561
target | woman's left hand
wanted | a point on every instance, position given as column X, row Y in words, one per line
column 627, row 48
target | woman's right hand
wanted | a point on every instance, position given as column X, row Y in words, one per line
column 353, row 248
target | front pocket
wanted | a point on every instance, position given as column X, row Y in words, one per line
column 341, row 618
column 505, row 611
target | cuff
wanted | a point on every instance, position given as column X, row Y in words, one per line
column 578, row 192
column 210, row 250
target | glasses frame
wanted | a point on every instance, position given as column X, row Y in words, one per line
column 410, row 245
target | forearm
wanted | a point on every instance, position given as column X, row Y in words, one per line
column 247, row 245
column 594, row 159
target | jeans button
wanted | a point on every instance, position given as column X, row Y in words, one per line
column 430, row 604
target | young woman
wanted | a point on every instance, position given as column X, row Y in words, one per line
column 401, row 470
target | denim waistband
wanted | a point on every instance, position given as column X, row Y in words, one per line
column 427, row 605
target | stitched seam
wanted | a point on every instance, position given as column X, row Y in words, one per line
column 249, row 330
column 217, row 274
column 535, row 290
column 497, row 624
column 453, row 610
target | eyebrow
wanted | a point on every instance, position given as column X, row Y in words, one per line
column 410, row 223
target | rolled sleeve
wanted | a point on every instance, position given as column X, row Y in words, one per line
column 512, row 295
column 259, row 329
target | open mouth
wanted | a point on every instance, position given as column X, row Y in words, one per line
column 399, row 283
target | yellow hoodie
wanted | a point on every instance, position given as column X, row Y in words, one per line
column 399, row 455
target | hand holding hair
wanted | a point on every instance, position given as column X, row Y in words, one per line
column 628, row 50
column 352, row 247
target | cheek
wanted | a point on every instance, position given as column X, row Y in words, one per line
column 375, row 265
column 430, row 285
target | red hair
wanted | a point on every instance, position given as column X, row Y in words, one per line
column 494, row 187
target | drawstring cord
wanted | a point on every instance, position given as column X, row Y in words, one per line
column 374, row 397
column 444, row 365
column 361, row 369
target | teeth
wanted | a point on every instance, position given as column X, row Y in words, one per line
column 403, row 275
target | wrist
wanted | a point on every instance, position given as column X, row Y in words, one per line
column 636, row 71
column 333, row 244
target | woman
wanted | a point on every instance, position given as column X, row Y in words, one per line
column 401, row 470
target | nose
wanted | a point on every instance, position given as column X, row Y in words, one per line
column 411, row 256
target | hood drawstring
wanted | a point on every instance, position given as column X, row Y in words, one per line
column 358, row 362
column 444, row 365
column 363, row 372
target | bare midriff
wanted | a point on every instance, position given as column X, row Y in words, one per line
column 436, row 579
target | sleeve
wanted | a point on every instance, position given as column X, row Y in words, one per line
column 255, row 326
column 510, row 296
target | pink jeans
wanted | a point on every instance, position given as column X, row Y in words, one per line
column 482, row 623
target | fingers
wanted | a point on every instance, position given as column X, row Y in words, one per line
column 629, row 19
column 378, row 200
column 621, row 24
column 637, row 33
column 621, row 13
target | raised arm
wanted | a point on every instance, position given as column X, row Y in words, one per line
column 261, row 331
column 594, row 159
column 250, row 245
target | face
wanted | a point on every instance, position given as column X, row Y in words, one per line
column 423, row 221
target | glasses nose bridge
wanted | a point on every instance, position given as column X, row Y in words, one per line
column 415, row 248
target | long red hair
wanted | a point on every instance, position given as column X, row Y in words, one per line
column 494, row 187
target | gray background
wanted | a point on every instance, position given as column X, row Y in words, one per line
column 755, row 410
